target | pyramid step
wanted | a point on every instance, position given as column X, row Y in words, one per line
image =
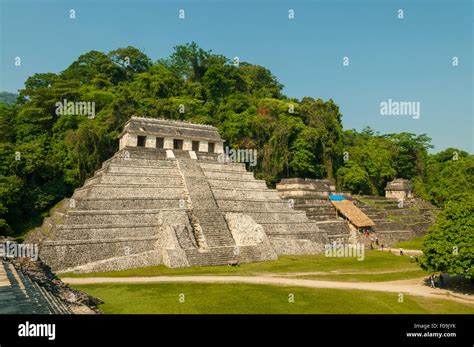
column 246, row 184
column 139, row 170
column 163, row 163
column 102, row 226
column 321, row 218
column 214, row 256
column 126, row 191
column 236, row 167
column 106, row 233
column 214, row 174
column 147, row 180
column 101, row 203
column 290, row 228
column 278, row 217
column 238, row 193
column 252, row 205
column 334, row 227
column 121, row 216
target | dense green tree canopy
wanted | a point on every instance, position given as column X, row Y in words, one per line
column 449, row 175
column 382, row 158
column 449, row 245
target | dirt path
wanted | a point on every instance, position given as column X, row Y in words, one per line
column 333, row 272
column 414, row 287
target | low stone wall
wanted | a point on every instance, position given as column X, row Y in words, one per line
column 296, row 246
column 386, row 238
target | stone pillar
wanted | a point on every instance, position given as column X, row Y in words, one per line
column 150, row 142
column 168, row 143
column 187, row 145
column 219, row 148
column 203, row 146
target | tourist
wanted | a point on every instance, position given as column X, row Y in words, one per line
column 376, row 240
column 432, row 282
column 416, row 259
column 401, row 251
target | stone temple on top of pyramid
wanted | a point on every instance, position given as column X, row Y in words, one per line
column 167, row 197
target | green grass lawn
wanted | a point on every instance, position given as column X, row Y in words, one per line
column 252, row 298
column 374, row 261
column 416, row 243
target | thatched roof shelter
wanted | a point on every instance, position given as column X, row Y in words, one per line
column 353, row 213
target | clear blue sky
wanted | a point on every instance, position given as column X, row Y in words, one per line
column 402, row 60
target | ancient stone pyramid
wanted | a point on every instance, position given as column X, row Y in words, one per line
column 170, row 196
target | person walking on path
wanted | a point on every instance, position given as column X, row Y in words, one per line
column 432, row 282
column 401, row 251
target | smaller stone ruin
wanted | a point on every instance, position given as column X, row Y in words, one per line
column 399, row 188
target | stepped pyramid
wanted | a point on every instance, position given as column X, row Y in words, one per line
column 395, row 222
column 170, row 196
column 311, row 196
column 392, row 222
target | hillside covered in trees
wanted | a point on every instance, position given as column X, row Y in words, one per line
column 45, row 155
